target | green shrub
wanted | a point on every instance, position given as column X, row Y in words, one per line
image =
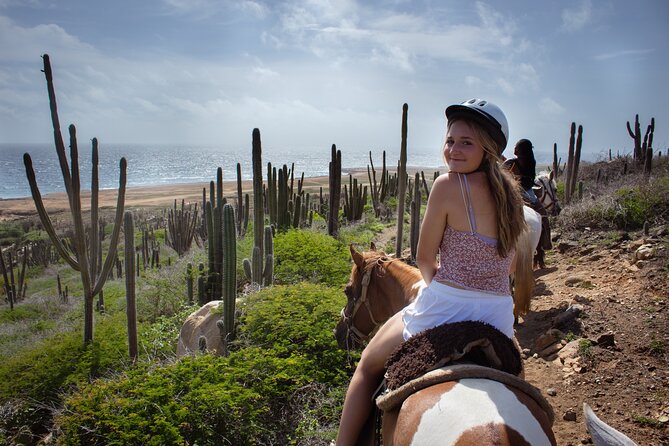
column 158, row 340
column 297, row 319
column 10, row 233
column 203, row 400
column 306, row 255
column 265, row 392
column 362, row 233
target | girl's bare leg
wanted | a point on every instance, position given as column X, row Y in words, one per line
column 366, row 378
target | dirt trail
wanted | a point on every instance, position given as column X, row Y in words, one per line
column 597, row 289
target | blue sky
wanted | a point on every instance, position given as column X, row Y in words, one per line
column 313, row 73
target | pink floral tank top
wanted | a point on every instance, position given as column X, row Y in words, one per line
column 470, row 259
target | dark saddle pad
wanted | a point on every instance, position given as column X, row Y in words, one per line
column 470, row 341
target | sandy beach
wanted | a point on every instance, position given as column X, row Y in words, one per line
column 162, row 196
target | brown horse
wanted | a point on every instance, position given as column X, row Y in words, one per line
column 380, row 286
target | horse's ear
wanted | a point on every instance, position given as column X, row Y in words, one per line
column 550, row 175
column 372, row 246
column 356, row 256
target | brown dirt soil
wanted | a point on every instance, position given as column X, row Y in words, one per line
column 623, row 374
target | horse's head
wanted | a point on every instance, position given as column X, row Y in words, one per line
column 361, row 316
column 548, row 193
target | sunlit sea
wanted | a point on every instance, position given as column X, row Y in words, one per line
column 152, row 165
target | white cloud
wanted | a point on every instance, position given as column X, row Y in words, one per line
column 473, row 81
column 624, row 53
column 27, row 44
column 576, row 19
column 263, row 74
column 550, row 107
column 204, row 9
column 506, row 86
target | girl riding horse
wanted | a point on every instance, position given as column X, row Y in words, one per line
column 473, row 219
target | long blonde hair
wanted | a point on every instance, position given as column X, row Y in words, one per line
column 504, row 188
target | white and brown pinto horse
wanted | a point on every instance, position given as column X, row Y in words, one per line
column 472, row 411
column 546, row 191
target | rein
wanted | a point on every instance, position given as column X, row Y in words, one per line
column 353, row 333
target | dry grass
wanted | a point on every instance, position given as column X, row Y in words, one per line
column 618, row 195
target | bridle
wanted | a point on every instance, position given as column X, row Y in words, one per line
column 352, row 332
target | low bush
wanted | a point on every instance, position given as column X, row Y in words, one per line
column 625, row 208
column 266, row 392
column 10, row 233
column 297, row 319
column 301, row 254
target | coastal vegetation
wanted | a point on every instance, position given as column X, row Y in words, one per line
column 283, row 378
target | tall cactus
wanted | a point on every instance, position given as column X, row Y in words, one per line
column 229, row 273
column 415, row 216
column 242, row 205
column 272, row 194
column 131, row 307
column 648, row 147
column 254, row 268
column 401, row 190
column 92, row 280
column 335, row 191
column 570, row 163
column 636, row 136
column 573, row 162
column 268, row 270
column 556, row 163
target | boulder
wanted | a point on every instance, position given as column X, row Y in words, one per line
column 202, row 323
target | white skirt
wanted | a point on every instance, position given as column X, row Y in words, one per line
column 439, row 303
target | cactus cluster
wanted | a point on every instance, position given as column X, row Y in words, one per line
column 181, row 227
column 220, row 249
column 355, row 199
column 13, row 291
column 378, row 189
column 643, row 151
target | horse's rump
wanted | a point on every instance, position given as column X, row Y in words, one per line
column 472, row 411
column 462, row 403
column 391, row 400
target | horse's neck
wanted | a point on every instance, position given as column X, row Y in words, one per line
column 404, row 283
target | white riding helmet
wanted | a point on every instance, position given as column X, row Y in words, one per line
column 485, row 113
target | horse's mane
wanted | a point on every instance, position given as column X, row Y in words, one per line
column 405, row 274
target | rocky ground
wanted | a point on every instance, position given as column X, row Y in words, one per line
column 598, row 333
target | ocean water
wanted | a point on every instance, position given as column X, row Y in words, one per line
column 150, row 165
